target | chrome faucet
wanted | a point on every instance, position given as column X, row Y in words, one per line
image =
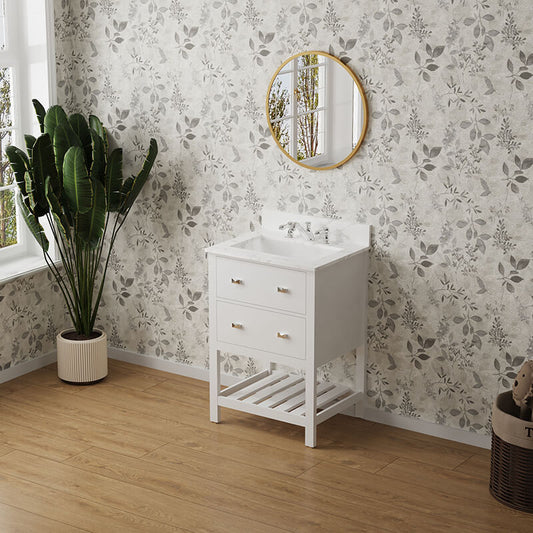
column 306, row 232
column 322, row 235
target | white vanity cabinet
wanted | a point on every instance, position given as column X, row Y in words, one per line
column 291, row 311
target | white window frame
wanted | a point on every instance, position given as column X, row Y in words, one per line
column 19, row 54
column 293, row 69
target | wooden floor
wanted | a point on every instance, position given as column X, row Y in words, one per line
column 137, row 453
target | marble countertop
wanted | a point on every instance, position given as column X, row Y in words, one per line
column 304, row 257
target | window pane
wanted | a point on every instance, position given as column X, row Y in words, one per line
column 8, row 219
column 6, row 99
column 279, row 100
column 310, row 135
column 2, row 25
column 6, row 174
column 310, row 91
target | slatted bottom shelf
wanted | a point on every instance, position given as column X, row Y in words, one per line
column 281, row 395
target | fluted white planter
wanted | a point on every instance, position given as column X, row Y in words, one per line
column 82, row 361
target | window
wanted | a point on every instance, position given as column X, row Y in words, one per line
column 26, row 64
column 297, row 107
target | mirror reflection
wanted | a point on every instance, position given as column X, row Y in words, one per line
column 316, row 110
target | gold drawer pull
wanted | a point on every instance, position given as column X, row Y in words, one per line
column 236, row 281
column 283, row 290
column 236, row 325
column 283, row 335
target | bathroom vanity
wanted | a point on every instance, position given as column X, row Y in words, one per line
column 292, row 298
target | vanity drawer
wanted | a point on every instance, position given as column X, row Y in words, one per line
column 264, row 285
column 260, row 329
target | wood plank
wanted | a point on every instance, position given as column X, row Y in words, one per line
column 194, row 395
column 212, row 493
column 81, row 431
column 14, row 385
column 47, row 377
column 72, row 510
column 30, row 440
column 167, row 376
column 400, row 442
column 236, row 425
column 436, row 478
column 477, row 466
column 306, row 494
column 472, row 514
column 123, row 377
column 15, row 520
column 5, row 449
column 135, row 500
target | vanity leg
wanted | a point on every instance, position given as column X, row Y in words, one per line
column 310, row 404
column 360, row 378
column 214, row 385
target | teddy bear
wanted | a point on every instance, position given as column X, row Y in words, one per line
column 523, row 390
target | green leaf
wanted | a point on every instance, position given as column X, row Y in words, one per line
column 40, row 112
column 98, row 127
column 113, row 180
column 54, row 116
column 56, row 208
column 91, row 224
column 36, row 229
column 29, row 140
column 76, row 183
column 20, row 164
column 43, row 167
column 98, row 157
column 81, row 129
column 132, row 189
column 64, row 138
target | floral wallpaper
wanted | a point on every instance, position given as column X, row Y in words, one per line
column 444, row 177
column 31, row 313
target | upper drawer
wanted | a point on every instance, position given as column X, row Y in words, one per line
column 263, row 285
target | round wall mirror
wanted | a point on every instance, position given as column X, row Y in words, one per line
column 316, row 110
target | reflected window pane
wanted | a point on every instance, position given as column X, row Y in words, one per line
column 6, row 174
column 310, row 135
column 6, row 98
column 311, row 89
column 8, row 219
column 279, row 101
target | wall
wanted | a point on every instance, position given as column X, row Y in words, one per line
column 31, row 314
column 443, row 176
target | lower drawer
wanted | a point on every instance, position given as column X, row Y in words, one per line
column 269, row 331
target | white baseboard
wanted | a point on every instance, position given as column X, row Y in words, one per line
column 173, row 367
column 368, row 413
column 27, row 366
column 428, row 428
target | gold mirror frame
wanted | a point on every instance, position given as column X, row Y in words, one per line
column 363, row 98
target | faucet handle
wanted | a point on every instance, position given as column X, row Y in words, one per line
column 290, row 227
column 323, row 234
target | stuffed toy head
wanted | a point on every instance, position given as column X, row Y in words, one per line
column 523, row 385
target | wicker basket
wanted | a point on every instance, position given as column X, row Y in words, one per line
column 511, row 469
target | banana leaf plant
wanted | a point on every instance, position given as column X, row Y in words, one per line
column 68, row 176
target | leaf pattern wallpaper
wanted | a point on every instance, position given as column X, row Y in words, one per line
column 444, row 178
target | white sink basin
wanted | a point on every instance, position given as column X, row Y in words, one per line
column 287, row 247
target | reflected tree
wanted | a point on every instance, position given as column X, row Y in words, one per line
column 278, row 106
column 8, row 222
column 307, row 100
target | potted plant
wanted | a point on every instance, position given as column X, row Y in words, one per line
column 70, row 177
